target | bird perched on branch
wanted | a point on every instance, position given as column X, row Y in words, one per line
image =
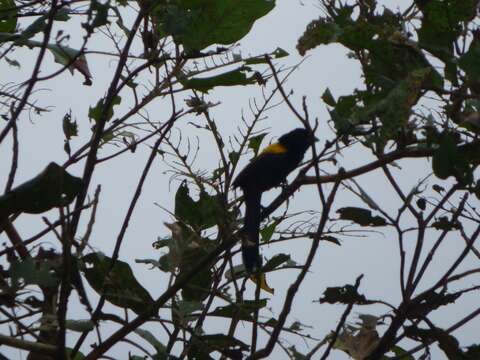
column 269, row 169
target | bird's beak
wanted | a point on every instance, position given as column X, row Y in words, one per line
column 314, row 139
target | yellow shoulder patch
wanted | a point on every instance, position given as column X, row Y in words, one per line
column 275, row 148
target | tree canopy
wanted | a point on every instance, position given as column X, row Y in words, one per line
column 156, row 75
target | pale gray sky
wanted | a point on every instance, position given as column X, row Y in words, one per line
column 375, row 255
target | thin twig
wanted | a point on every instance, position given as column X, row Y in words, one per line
column 341, row 323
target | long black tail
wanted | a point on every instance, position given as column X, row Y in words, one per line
column 250, row 252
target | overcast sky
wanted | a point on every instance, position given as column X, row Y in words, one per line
column 375, row 255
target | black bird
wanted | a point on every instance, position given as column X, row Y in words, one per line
column 269, row 169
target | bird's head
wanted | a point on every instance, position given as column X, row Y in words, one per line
column 299, row 139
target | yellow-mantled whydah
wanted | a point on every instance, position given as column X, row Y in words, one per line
column 269, row 169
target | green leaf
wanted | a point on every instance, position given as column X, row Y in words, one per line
column 442, row 24
column 233, row 157
column 151, row 339
column 53, row 187
column 129, row 82
column 95, row 112
column 255, row 141
column 344, row 295
column 186, row 247
column 119, row 286
column 446, row 342
column 66, row 56
column 40, row 23
column 186, row 308
column 443, row 223
column 271, row 322
column 277, row 54
column 33, row 273
column 229, row 78
column 166, row 264
column 422, row 203
column 361, row 216
column 198, row 288
column 341, row 114
column 275, row 262
column 295, row 355
column 154, row 263
column 391, row 56
column 296, row 326
column 62, row 54
column 397, row 350
column 8, row 16
column 78, row 355
column 394, row 61
column 318, row 32
column 242, row 310
column 432, row 301
column 448, row 161
column 469, row 61
column 473, row 352
column 268, row 231
column 341, row 28
column 394, row 108
column 100, row 15
column 79, row 325
column 331, row 239
column 201, row 214
column 200, row 23
column 12, row 62
column 223, row 341
column 327, row 98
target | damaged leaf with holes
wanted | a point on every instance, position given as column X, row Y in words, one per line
column 201, row 214
column 95, row 113
column 227, row 345
column 70, row 127
column 346, row 294
column 29, row 271
column 444, row 224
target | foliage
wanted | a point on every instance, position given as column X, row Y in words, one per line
column 170, row 61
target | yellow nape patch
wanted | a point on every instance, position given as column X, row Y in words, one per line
column 275, row 148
